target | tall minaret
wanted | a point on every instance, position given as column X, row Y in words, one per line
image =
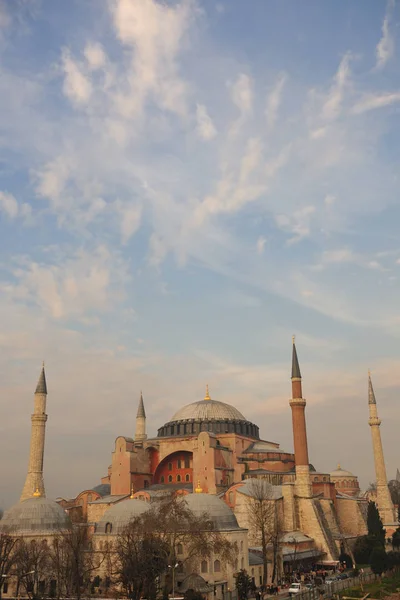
column 298, row 405
column 34, row 484
column 140, row 433
column 383, row 498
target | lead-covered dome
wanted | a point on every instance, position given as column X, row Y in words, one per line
column 219, row 513
column 208, row 415
column 210, row 410
column 116, row 518
column 38, row 515
column 339, row 472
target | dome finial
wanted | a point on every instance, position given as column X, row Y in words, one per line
column 37, row 493
column 207, row 396
column 339, row 468
column 198, row 489
column 132, row 491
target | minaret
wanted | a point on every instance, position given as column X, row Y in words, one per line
column 383, row 498
column 140, row 433
column 34, row 484
column 298, row 405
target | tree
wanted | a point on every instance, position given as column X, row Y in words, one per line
column 263, row 521
column 73, row 561
column 243, row 584
column 374, row 523
column 363, row 548
column 394, row 489
column 166, row 532
column 141, row 559
column 346, row 558
column 31, row 567
column 7, row 556
column 378, row 560
column 396, row 539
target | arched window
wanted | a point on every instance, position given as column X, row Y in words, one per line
column 241, row 546
column 187, row 477
column 315, row 478
column 252, row 572
column 231, row 497
column 170, row 478
column 204, row 566
column 162, row 479
column 217, row 566
column 178, row 478
column 108, row 527
column 324, row 478
column 236, row 565
column 179, row 549
column 170, row 466
column 146, row 484
column 242, row 563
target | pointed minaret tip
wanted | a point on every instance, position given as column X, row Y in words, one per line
column 371, row 393
column 41, row 387
column 296, row 374
column 141, row 413
column 207, row 396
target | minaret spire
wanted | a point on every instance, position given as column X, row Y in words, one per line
column 140, row 433
column 384, row 500
column 298, row 405
column 34, row 483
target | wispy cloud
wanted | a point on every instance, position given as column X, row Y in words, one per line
column 374, row 101
column 386, row 46
column 334, row 101
column 274, row 101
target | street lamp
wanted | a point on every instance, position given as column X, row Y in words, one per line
column 173, row 567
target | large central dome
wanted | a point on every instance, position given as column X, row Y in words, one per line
column 210, row 410
column 208, row 415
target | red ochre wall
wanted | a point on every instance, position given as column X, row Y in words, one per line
column 174, row 465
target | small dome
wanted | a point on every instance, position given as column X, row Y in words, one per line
column 121, row 514
column 339, row 472
column 35, row 515
column 208, row 410
column 220, row 514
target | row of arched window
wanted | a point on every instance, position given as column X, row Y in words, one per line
column 178, row 478
column 204, row 566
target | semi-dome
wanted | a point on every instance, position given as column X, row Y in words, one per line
column 208, row 415
column 37, row 515
column 116, row 518
column 219, row 513
column 211, row 410
column 339, row 472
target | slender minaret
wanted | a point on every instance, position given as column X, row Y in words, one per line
column 383, row 498
column 34, row 484
column 140, row 433
column 298, row 405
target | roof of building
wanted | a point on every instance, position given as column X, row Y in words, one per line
column 371, row 393
column 260, row 488
column 37, row 515
column 255, row 559
column 291, row 537
column 141, row 414
column 196, row 583
column 103, row 489
column 121, row 514
column 260, row 446
column 219, row 513
column 211, row 410
column 41, row 387
column 296, row 374
column 110, row 499
column 339, row 472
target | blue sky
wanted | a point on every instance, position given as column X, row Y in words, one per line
column 183, row 186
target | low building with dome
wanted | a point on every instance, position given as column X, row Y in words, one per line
column 345, row 481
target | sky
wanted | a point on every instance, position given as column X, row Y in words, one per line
column 183, row 186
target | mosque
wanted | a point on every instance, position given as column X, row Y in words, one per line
column 211, row 454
